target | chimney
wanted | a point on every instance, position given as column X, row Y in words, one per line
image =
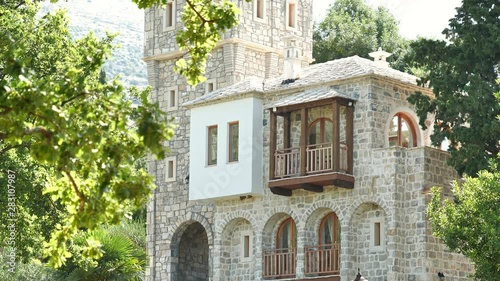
column 293, row 54
column 380, row 57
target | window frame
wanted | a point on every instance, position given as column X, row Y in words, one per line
column 173, row 160
column 248, row 234
column 293, row 230
column 374, row 235
column 210, row 144
column 262, row 9
column 399, row 134
column 323, row 121
column 335, row 228
column 230, row 129
column 169, row 15
column 175, row 105
column 291, row 15
column 209, row 82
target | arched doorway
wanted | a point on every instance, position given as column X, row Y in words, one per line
column 193, row 254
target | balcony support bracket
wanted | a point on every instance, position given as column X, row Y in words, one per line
column 281, row 191
column 312, row 187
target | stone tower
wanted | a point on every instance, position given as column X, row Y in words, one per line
column 254, row 48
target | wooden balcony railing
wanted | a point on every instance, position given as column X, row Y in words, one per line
column 319, row 160
column 287, row 162
column 319, row 157
column 279, row 263
column 322, row 259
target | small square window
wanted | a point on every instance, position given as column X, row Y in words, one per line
column 172, row 98
column 170, row 16
column 212, row 145
column 210, row 86
column 170, row 169
column 233, row 141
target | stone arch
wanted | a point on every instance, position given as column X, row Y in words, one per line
column 190, row 225
column 224, row 219
column 313, row 223
column 368, row 222
column 190, row 253
column 184, row 221
column 270, row 228
column 237, row 255
column 410, row 114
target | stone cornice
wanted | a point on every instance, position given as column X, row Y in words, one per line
column 248, row 44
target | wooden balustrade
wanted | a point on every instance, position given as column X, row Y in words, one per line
column 319, row 157
column 287, row 162
column 322, row 259
column 319, row 160
column 279, row 263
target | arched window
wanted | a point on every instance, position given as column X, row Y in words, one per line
column 329, row 230
column 286, row 238
column 402, row 131
column 320, row 131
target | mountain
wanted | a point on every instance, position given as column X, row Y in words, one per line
column 115, row 16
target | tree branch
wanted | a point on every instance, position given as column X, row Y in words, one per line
column 47, row 134
column 77, row 191
column 73, row 98
column 9, row 147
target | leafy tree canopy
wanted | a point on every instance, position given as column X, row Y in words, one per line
column 470, row 224
column 87, row 133
column 351, row 27
column 463, row 73
column 53, row 103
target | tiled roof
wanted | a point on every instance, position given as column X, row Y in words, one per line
column 345, row 68
column 310, row 95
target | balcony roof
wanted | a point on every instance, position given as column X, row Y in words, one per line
column 310, row 96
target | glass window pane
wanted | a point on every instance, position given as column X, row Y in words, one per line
column 212, row 145
column 233, row 139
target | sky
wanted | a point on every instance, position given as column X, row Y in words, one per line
column 416, row 17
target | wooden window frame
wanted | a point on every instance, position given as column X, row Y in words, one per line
column 335, row 227
column 322, row 125
column 170, row 16
column 230, row 141
column 210, row 144
column 402, row 116
column 292, row 233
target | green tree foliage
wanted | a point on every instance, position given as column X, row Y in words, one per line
column 462, row 73
column 86, row 132
column 351, row 27
column 35, row 213
column 471, row 223
column 124, row 256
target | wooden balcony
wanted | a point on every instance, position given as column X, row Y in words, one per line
column 312, row 166
column 279, row 263
column 322, row 260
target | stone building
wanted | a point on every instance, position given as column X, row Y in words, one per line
column 284, row 170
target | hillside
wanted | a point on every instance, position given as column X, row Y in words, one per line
column 115, row 16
